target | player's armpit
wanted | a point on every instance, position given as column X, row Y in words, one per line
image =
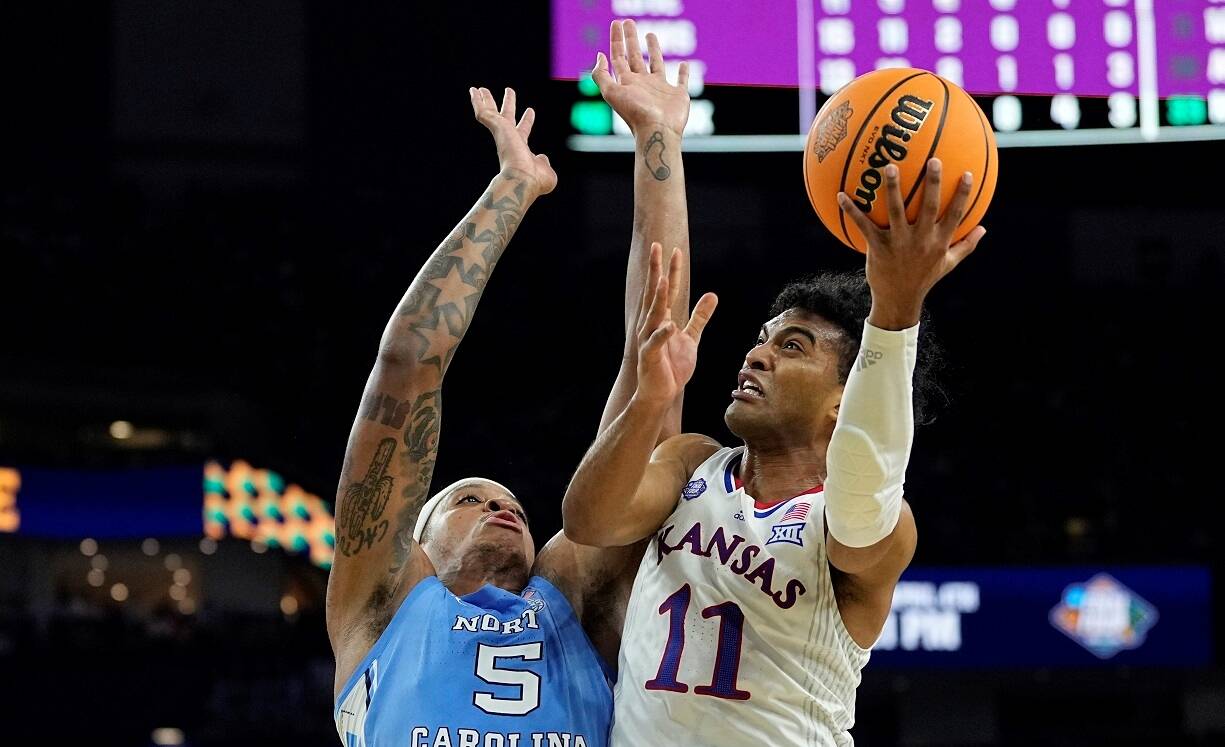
column 597, row 582
column 597, row 510
column 865, row 577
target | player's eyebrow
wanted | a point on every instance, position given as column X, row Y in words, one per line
column 797, row 329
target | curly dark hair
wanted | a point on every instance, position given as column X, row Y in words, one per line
column 844, row 300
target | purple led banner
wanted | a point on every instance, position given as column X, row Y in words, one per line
column 1081, row 47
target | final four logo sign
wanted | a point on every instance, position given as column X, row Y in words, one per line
column 693, row 489
column 1104, row 616
column 790, row 526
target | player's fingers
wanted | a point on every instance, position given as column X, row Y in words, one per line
column 658, row 312
column 488, row 106
column 633, row 51
column 526, row 122
column 701, row 315
column 655, row 55
column 482, row 106
column 966, row 246
column 508, row 104
column 957, row 208
column 600, row 73
column 616, row 43
column 474, row 99
column 653, row 271
column 865, row 225
column 931, row 193
column 682, row 76
column 893, row 198
column 658, row 338
column 676, row 262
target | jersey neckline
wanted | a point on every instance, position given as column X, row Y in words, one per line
column 732, row 481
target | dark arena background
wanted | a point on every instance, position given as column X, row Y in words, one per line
column 207, row 212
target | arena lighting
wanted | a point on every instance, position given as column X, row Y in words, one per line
column 173, row 562
column 99, row 562
column 182, row 577
column 119, row 592
column 89, row 547
column 167, row 736
column 187, row 606
column 289, row 604
column 150, row 546
column 178, row 593
column 121, row 430
column 208, row 545
column 95, row 577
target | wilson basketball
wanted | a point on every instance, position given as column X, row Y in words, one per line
column 905, row 117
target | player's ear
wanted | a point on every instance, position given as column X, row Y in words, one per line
column 833, row 402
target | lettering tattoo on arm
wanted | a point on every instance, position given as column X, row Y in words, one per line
column 653, row 155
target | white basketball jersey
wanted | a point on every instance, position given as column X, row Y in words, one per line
column 733, row 635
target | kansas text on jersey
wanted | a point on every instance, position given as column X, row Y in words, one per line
column 733, row 634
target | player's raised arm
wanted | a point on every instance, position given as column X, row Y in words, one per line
column 872, row 534
column 389, row 461
column 648, row 479
column 656, row 112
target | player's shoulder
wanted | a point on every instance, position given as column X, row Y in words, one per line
column 689, row 449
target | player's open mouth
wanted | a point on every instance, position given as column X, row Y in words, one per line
column 747, row 389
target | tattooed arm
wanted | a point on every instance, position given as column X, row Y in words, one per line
column 390, row 458
column 656, row 112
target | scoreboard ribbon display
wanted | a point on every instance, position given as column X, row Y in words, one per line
column 993, row 618
column 1104, row 64
column 1092, row 48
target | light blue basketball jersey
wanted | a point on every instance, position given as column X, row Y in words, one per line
column 488, row 669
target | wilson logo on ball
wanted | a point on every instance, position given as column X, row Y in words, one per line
column 908, row 117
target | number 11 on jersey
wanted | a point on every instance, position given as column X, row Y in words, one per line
column 727, row 658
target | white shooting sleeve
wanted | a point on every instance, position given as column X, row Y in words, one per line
column 870, row 448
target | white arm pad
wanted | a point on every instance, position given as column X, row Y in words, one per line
column 870, row 448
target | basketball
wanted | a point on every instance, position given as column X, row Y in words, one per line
column 906, row 117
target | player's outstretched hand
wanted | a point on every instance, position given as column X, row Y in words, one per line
column 640, row 92
column 667, row 355
column 514, row 155
column 907, row 259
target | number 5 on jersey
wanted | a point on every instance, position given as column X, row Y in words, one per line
column 528, row 682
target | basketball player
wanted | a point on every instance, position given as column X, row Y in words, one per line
column 772, row 565
column 446, row 626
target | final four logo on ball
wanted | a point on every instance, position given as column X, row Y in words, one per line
column 693, row 489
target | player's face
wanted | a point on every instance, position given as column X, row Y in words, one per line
column 788, row 390
column 479, row 523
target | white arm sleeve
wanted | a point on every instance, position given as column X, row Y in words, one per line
column 870, row 448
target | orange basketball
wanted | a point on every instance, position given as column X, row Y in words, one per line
column 906, row 117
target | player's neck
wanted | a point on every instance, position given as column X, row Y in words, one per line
column 460, row 584
column 483, row 565
column 771, row 475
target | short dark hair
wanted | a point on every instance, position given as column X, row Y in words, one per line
column 844, row 300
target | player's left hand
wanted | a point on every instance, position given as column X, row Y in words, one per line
column 667, row 355
column 907, row 259
column 514, row 155
column 640, row 93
